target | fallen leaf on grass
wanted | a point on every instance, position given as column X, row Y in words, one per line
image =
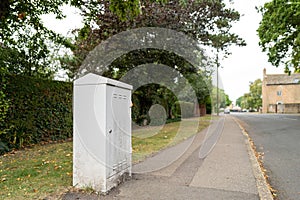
column 69, row 174
column 57, row 167
column 45, row 162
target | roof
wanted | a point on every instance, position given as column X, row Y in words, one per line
column 282, row 79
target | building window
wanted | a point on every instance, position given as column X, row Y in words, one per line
column 279, row 93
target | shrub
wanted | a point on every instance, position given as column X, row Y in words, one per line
column 186, row 109
column 39, row 110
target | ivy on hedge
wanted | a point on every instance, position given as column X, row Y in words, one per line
column 4, row 104
column 39, row 110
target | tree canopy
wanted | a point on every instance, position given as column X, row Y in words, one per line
column 23, row 33
column 253, row 99
column 25, row 42
column 279, row 32
column 22, row 30
column 208, row 22
column 224, row 100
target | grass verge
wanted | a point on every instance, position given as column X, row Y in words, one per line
column 34, row 173
column 149, row 140
column 44, row 169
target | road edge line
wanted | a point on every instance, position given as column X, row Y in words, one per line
column 261, row 182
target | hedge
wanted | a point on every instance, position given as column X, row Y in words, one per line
column 40, row 110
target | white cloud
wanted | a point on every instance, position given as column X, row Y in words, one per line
column 72, row 21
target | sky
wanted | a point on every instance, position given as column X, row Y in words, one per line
column 72, row 21
column 245, row 65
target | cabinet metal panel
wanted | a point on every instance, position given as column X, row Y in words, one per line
column 102, row 132
column 118, row 130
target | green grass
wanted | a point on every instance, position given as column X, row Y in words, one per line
column 44, row 169
column 35, row 173
column 149, row 140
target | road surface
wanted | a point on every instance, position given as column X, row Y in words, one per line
column 278, row 137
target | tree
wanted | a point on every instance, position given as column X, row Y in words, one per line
column 239, row 101
column 148, row 95
column 279, row 32
column 256, row 94
column 24, row 34
column 208, row 22
column 253, row 99
column 228, row 102
column 224, row 100
column 22, row 31
column 151, row 94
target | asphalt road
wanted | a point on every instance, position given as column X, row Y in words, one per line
column 278, row 137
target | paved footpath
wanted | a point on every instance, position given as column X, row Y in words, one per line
column 227, row 171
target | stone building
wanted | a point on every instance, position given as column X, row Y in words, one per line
column 281, row 93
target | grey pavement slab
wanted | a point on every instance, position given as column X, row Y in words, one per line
column 228, row 166
column 155, row 188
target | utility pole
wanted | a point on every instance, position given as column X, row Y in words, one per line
column 217, row 59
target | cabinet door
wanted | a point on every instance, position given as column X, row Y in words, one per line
column 118, row 130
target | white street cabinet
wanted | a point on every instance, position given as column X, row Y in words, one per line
column 101, row 131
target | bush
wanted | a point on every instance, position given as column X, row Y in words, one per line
column 4, row 105
column 173, row 120
column 186, row 109
column 40, row 110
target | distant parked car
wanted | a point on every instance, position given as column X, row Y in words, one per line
column 226, row 111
